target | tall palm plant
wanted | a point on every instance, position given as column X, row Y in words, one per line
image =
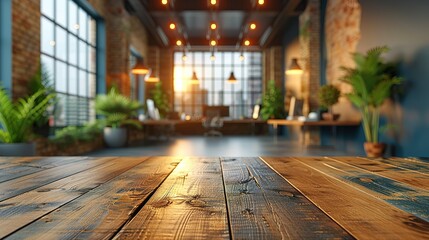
column 371, row 81
column 17, row 119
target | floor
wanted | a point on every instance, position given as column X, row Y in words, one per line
column 237, row 146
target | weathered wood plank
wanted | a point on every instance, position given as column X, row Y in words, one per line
column 406, row 176
column 363, row 215
column 262, row 205
column 23, row 209
column 19, row 167
column 405, row 197
column 190, row 204
column 411, row 164
column 99, row 213
column 29, row 182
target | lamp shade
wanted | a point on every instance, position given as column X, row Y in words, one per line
column 152, row 78
column 194, row 78
column 294, row 68
column 140, row 68
column 232, row 78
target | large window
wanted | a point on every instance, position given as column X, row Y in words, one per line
column 213, row 88
column 68, row 53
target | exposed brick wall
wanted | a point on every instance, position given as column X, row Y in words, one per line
column 25, row 44
column 122, row 31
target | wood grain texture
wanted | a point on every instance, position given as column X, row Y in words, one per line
column 18, row 167
column 21, row 210
column 411, row 177
column 99, row 213
column 262, row 205
column 411, row 164
column 190, row 204
column 403, row 196
column 360, row 213
column 29, row 182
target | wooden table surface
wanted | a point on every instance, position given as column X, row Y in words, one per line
column 214, row 198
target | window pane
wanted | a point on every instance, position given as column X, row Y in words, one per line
column 73, row 22
column 61, row 44
column 83, row 85
column 83, row 24
column 72, row 80
column 47, row 39
column 72, row 49
column 61, row 12
column 48, row 66
column 61, row 77
column 82, row 55
column 47, row 8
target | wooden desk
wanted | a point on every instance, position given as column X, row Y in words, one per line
column 306, row 124
column 214, row 198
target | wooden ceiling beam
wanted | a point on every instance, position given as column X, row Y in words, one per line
column 223, row 5
column 156, row 32
column 289, row 10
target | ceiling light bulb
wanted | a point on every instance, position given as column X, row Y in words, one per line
column 184, row 58
column 212, row 57
column 253, row 26
column 52, row 43
column 172, row 26
column 247, row 42
column 213, row 2
column 213, row 43
column 213, row 26
column 261, row 2
column 179, row 43
column 241, row 57
column 164, row 2
column 76, row 26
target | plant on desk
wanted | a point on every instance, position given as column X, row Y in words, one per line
column 328, row 96
column 371, row 81
column 17, row 120
column 118, row 111
column 160, row 99
column 272, row 102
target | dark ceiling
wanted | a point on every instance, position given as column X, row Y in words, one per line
column 193, row 18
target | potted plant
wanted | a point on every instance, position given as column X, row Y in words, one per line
column 371, row 81
column 17, row 119
column 160, row 99
column 272, row 102
column 118, row 110
column 328, row 96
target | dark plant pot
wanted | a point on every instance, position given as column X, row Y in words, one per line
column 17, row 149
column 374, row 149
column 115, row 137
column 42, row 130
column 330, row 116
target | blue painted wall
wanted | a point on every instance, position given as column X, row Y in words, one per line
column 6, row 44
column 404, row 27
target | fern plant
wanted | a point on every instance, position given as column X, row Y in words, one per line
column 17, row 119
column 371, row 81
column 272, row 102
column 117, row 108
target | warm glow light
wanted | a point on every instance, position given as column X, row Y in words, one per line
column 179, row 84
column 213, row 2
column 241, row 57
column 213, row 42
column 247, row 42
column 253, row 26
column 184, row 58
column 213, row 26
column 172, row 26
column 179, row 43
column 76, row 26
column 261, row 2
column 52, row 43
column 212, row 57
column 294, row 72
column 164, row 2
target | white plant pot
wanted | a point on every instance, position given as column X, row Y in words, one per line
column 115, row 137
column 17, row 149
